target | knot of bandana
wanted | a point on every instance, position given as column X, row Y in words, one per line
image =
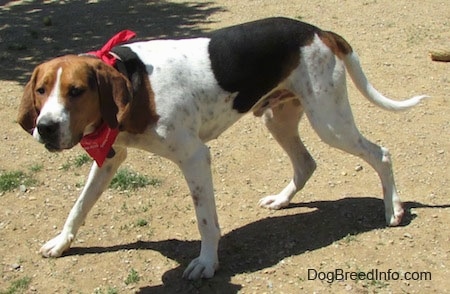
column 98, row 144
column 104, row 54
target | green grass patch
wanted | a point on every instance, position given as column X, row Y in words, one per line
column 37, row 167
column 78, row 161
column 126, row 179
column 81, row 159
column 66, row 166
column 141, row 222
column 133, row 277
column 18, row 286
column 11, row 180
column 110, row 290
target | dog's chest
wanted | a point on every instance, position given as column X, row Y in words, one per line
column 187, row 94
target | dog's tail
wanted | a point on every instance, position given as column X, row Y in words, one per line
column 355, row 71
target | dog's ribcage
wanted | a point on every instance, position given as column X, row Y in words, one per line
column 186, row 91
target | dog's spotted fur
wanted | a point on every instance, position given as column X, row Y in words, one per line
column 172, row 96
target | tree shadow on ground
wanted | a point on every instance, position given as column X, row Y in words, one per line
column 266, row 242
column 32, row 32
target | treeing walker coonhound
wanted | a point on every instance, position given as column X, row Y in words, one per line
column 169, row 97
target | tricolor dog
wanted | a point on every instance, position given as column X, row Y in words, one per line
column 170, row 97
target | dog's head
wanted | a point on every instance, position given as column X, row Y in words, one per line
column 69, row 97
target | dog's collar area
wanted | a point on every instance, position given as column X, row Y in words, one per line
column 118, row 63
column 105, row 53
column 99, row 143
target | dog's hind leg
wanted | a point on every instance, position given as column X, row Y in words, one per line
column 282, row 121
column 329, row 112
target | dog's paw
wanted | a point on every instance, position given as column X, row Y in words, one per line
column 394, row 219
column 273, row 202
column 198, row 269
column 56, row 246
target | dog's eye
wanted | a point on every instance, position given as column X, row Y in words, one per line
column 41, row 91
column 75, row 92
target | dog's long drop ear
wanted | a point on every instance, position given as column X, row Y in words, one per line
column 115, row 94
column 27, row 110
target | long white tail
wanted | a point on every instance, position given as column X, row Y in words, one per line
column 359, row 78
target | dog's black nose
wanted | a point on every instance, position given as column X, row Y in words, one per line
column 48, row 128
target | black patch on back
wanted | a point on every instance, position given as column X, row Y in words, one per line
column 254, row 57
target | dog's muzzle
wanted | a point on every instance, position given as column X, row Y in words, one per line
column 48, row 133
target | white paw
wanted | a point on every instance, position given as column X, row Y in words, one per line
column 273, row 202
column 56, row 246
column 198, row 269
column 394, row 219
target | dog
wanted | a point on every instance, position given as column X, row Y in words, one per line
column 169, row 97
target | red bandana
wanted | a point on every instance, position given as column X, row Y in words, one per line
column 104, row 54
column 98, row 144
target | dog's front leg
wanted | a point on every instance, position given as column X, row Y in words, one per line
column 97, row 181
column 197, row 172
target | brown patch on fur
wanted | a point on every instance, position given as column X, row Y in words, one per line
column 142, row 112
column 114, row 94
column 277, row 97
column 27, row 112
column 84, row 110
column 338, row 45
column 204, row 221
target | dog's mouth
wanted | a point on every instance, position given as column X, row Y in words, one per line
column 52, row 147
column 55, row 142
column 57, row 146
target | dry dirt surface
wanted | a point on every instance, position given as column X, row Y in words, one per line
column 140, row 241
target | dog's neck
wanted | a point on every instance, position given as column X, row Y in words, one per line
column 98, row 144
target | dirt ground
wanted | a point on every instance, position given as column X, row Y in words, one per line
column 140, row 241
